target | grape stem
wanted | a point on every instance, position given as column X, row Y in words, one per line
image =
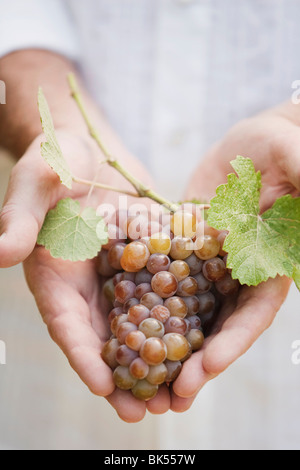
column 141, row 189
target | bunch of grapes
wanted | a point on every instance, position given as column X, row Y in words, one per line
column 166, row 286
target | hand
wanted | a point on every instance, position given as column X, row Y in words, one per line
column 271, row 140
column 67, row 294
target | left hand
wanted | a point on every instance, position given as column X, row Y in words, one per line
column 271, row 140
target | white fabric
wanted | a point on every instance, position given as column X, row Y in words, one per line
column 172, row 77
column 37, row 24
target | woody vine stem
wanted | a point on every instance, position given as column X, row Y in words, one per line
column 141, row 190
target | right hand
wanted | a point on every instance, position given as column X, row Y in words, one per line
column 68, row 295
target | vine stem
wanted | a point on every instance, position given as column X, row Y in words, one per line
column 141, row 189
column 104, row 186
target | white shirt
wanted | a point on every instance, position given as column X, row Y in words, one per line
column 172, row 77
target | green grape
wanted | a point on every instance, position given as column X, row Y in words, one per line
column 177, row 306
column 143, row 390
column 153, row 351
column 151, row 327
column 157, row 374
column 177, row 346
column 139, row 369
column 123, row 379
column 164, row 284
column 180, row 269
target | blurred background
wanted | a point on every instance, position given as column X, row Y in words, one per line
column 44, row 406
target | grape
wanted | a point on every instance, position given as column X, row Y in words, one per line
column 207, row 302
column 160, row 243
column 194, row 263
column 194, row 321
column 177, row 346
column 108, row 353
column 123, row 277
column 130, row 303
column 221, row 239
column 138, row 313
column 151, row 327
column 204, row 285
column 142, row 289
column 181, row 248
column 227, row 285
column 214, row 269
column 125, row 355
column 160, row 312
column 117, row 321
column 157, row 374
column 180, row 269
column 115, row 254
column 143, row 277
column 165, row 290
column 124, row 291
column 177, row 307
column 196, row 338
column 154, row 351
column 151, row 299
column 193, row 305
column 213, row 232
column 123, row 379
column 123, row 329
column 143, row 390
column 109, row 290
column 135, row 339
column 173, row 368
column 138, row 368
column 164, row 284
column 176, row 325
column 187, row 287
column 158, row 262
column 114, row 313
column 184, row 224
column 209, row 247
column 135, row 257
column 102, row 265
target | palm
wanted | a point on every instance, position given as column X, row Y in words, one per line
column 69, row 295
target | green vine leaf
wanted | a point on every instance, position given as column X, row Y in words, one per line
column 71, row 234
column 51, row 150
column 259, row 246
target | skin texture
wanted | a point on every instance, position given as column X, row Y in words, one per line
column 68, row 295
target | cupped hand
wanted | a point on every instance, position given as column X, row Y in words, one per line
column 68, row 295
column 271, row 139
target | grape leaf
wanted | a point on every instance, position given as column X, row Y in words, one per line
column 51, row 150
column 73, row 235
column 259, row 246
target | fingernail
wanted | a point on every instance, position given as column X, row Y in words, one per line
column 2, row 236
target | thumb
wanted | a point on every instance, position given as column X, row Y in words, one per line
column 26, row 203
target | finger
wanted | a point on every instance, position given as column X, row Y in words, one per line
column 68, row 318
column 255, row 312
column 26, row 203
column 161, row 402
column 128, row 408
column 286, row 152
column 179, row 404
